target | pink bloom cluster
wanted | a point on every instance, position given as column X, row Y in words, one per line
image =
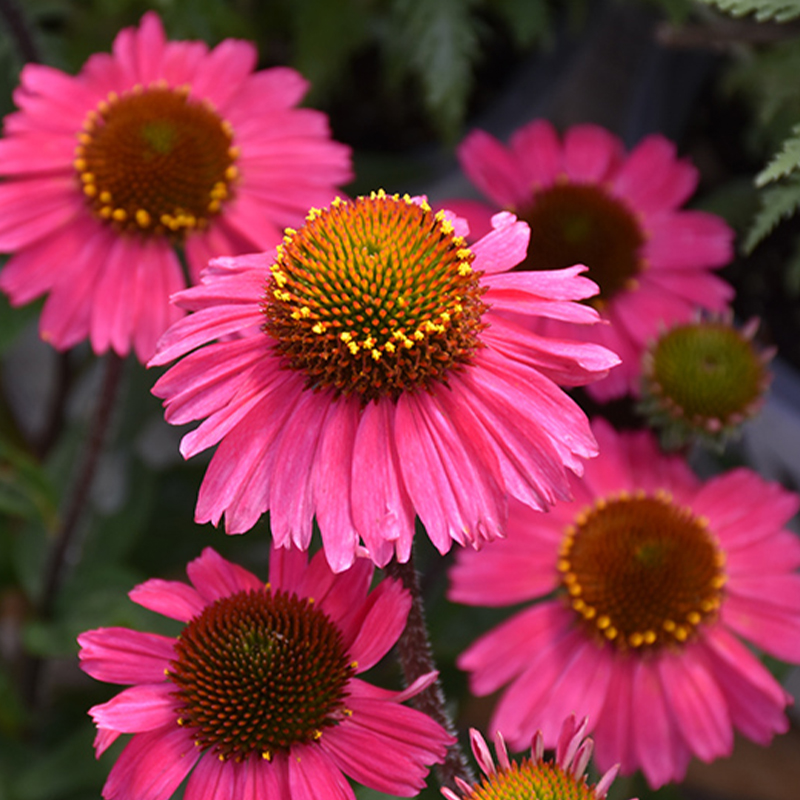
column 651, row 709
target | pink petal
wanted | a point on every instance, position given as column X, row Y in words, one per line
column 215, row 577
column 696, row 703
column 539, row 154
column 662, row 754
column 173, row 599
column 213, row 779
column 490, row 167
column 386, row 746
column 508, row 649
column 688, row 240
column 152, row 765
column 331, row 483
column 119, row 655
column 138, row 709
column 313, row 775
column 652, row 179
column 504, row 247
column 381, row 508
column 382, row 625
column 223, row 71
column 590, row 153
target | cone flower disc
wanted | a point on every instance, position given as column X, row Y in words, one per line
column 589, row 202
column 371, row 372
column 156, row 146
column 661, row 582
column 258, row 697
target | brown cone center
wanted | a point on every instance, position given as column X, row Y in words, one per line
column 258, row 672
column 641, row 571
column 583, row 224
column 155, row 160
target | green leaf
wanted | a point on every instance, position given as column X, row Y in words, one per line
column 437, row 42
column 783, row 164
column 778, row 10
column 777, row 203
column 25, row 490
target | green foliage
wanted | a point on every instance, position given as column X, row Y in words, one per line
column 437, row 43
column 528, row 20
column 778, row 10
column 777, row 203
column 783, row 164
column 761, row 77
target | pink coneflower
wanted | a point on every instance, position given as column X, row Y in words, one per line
column 157, row 146
column 258, row 696
column 588, row 203
column 658, row 578
column 374, row 376
column 535, row 778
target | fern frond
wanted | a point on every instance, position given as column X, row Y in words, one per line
column 763, row 10
column 777, row 203
column 783, row 164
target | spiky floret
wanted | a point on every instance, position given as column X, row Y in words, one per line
column 702, row 380
column 534, row 778
column 375, row 297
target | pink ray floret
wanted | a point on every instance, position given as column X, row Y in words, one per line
column 376, row 741
column 451, row 454
column 112, row 285
column 651, row 709
column 678, row 251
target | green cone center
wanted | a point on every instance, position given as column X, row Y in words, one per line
column 155, row 160
column 374, row 297
column 583, row 224
column 641, row 571
column 258, row 672
column 709, row 371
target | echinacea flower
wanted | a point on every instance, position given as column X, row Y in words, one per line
column 703, row 379
column 258, row 696
column 156, row 146
column 661, row 584
column 534, row 778
column 587, row 202
column 373, row 376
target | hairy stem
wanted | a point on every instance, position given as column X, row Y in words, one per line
column 416, row 658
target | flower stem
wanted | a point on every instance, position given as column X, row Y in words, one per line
column 54, row 570
column 416, row 659
column 18, row 25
